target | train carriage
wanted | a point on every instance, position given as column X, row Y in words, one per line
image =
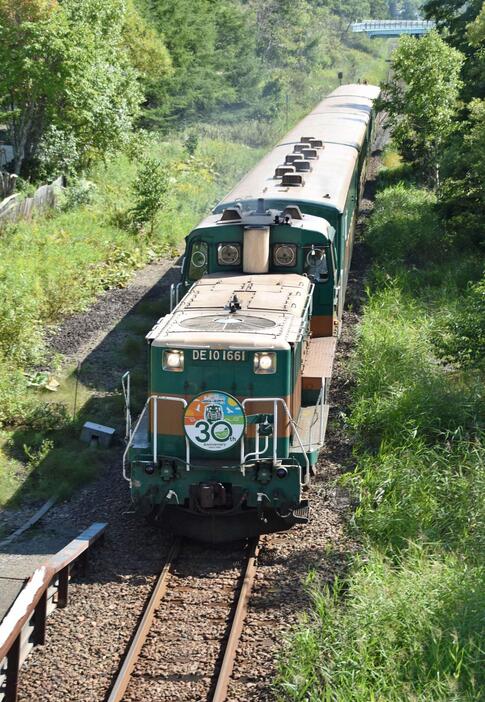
column 240, row 369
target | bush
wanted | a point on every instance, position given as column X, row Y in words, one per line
column 405, row 229
column 48, row 417
column 150, row 191
column 461, row 336
column 80, row 192
column 57, row 154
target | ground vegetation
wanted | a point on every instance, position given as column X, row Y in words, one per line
column 406, row 623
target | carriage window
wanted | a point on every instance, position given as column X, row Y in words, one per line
column 316, row 266
column 198, row 260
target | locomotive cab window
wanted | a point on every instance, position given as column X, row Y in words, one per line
column 316, row 264
column 198, row 263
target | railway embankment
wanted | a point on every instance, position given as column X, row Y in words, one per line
column 406, row 621
column 64, row 284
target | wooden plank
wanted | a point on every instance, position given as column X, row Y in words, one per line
column 30, row 522
column 77, row 546
column 26, row 602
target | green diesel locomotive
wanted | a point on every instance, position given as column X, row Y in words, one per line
column 240, row 369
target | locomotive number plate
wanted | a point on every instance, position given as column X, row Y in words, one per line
column 216, row 355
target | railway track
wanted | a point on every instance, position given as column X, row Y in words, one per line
column 170, row 658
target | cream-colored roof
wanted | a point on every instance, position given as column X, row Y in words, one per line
column 270, row 314
column 340, row 121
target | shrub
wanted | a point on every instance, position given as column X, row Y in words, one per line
column 461, row 337
column 80, row 192
column 405, row 228
column 48, row 417
column 150, row 190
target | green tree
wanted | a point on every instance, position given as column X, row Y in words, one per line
column 462, row 193
column 65, row 67
column 422, row 99
column 148, row 53
column 379, row 9
column 453, row 18
column 150, row 190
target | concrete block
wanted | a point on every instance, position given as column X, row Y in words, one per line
column 97, row 434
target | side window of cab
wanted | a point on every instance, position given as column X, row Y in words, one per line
column 198, row 263
column 316, row 265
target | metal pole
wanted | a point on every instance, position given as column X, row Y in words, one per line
column 78, row 370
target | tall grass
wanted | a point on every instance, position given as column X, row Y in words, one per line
column 407, row 623
column 400, row 631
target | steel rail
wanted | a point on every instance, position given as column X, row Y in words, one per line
column 227, row 666
column 124, row 675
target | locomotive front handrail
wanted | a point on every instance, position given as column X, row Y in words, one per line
column 275, row 401
column 244, row 457
column 154, row 399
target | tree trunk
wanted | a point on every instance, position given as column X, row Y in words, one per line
column 21, row 129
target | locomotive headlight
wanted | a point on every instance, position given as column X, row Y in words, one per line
column 173, row 360
column 265, row 362
column 229, row 254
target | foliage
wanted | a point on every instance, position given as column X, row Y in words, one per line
column 191, row 142
column 408, row 630
column 83, row 253
column 462, row 192
column 260, row 52
column 48, row 417
column 405, row 227
column 455, row 20
column 421, row 104
column 460, row 337
column 150, row 190
column 146, row 49
column 78, row 193
column 405, row 623
column 57, row 154
column 66, row 79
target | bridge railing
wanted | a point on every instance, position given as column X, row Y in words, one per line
column 396, row 25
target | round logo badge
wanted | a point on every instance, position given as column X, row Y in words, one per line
column 214, row 421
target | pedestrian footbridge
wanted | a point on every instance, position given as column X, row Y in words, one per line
column 393, row 28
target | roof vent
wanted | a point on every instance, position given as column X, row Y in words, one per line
column 292, row 180
column 307, row 140
column 292, row 211
column 316, row 144
column 298, row 148
column 231, row 214
column 291, row 158
column 303, row 166
column 310, row 153
column 283, row 170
